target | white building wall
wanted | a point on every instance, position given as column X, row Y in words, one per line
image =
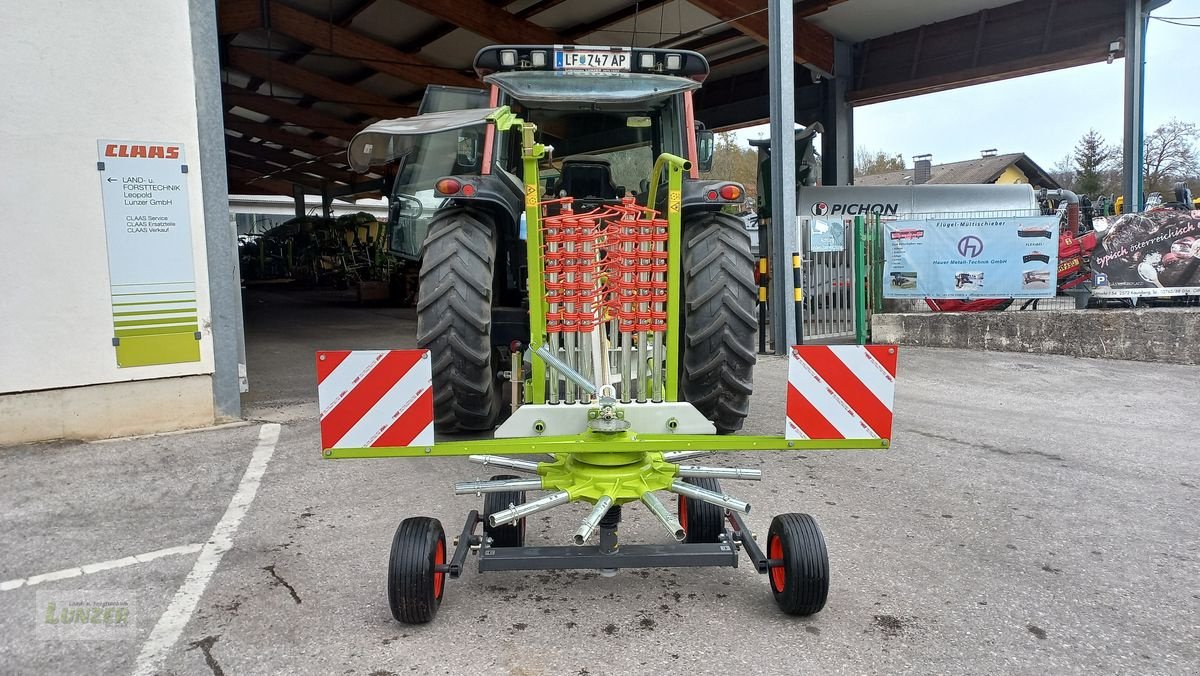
column 74, row 72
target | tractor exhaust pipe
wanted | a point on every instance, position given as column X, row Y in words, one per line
column 515, row 514
column 696, row 493
column 592, row 522
column 656, row 507
column 719, row 473
column 507, row 463
column 497, row 486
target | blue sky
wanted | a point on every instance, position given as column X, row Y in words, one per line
column 1041, row 115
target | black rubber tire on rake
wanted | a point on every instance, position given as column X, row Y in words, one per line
column 702, row 521
column 454, row 319
column 415, row 588
column 719, row 322
column 503, row 535
column 801, row 584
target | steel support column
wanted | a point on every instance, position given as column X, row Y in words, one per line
column 781, row 241
column 837, row 142
column 220, row 235
column 1135, row 58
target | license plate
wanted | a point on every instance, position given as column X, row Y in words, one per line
column 582, row 59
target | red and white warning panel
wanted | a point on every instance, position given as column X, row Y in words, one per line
column 375, row 398
column 841, row 391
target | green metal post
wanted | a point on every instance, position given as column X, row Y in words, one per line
column 531, row 153
column 875, row 232
column 675, row 167
column 860, row 281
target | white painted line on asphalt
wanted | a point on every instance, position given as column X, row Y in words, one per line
column 89, row 568
column 169, row 627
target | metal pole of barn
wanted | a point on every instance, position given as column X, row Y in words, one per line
column 783, row 168
column 1135, row 56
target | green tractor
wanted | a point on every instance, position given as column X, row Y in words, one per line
column 607, row 114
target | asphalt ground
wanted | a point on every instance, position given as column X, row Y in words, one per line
column 1037, row 514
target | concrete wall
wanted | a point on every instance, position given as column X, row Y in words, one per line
column 1162, row 335
column 76, row 72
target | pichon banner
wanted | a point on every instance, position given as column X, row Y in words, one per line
column 841, row 391
column 375, row 398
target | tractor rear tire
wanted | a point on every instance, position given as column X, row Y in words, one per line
column 454, row 319
column 719, row 324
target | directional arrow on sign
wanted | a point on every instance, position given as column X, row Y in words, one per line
column 110, row 180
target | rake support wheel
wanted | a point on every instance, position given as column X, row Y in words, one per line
column 415, row 586
column 503, row 535
column 702, row 521
column 800, row 583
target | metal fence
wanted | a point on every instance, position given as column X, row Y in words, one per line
column 827, row 311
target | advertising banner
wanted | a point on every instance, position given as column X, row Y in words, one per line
column 971, row 258
column 1156, row 253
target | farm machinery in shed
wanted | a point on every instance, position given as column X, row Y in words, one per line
column 620, row 323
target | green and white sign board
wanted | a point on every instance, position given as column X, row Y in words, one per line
column 150, row 263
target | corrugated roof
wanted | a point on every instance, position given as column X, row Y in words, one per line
column 980, row 170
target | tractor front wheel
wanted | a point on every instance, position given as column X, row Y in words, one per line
column 454, row 319
column 719, row 324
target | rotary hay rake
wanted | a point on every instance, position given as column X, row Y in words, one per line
column 596, row 388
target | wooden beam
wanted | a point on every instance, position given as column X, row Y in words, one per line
column 236, row 16
column 536, row 8
column 575, row 32
column 258, row 64
column 812, row 44
column 489, row 21
column 284, row 138
column 346, row 43
column 289, row 112
column 986, row 46
column 269, row 172
column 244, row 146
column 249, row 182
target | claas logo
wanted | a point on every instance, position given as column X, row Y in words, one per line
column 147, row 152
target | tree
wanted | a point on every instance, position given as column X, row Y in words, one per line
column 1064, row 173
column 1093, row 161
column 1171, row 155
column 867, row 162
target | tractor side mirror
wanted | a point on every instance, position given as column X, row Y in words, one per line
column 468, row 148
column 705, row 141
